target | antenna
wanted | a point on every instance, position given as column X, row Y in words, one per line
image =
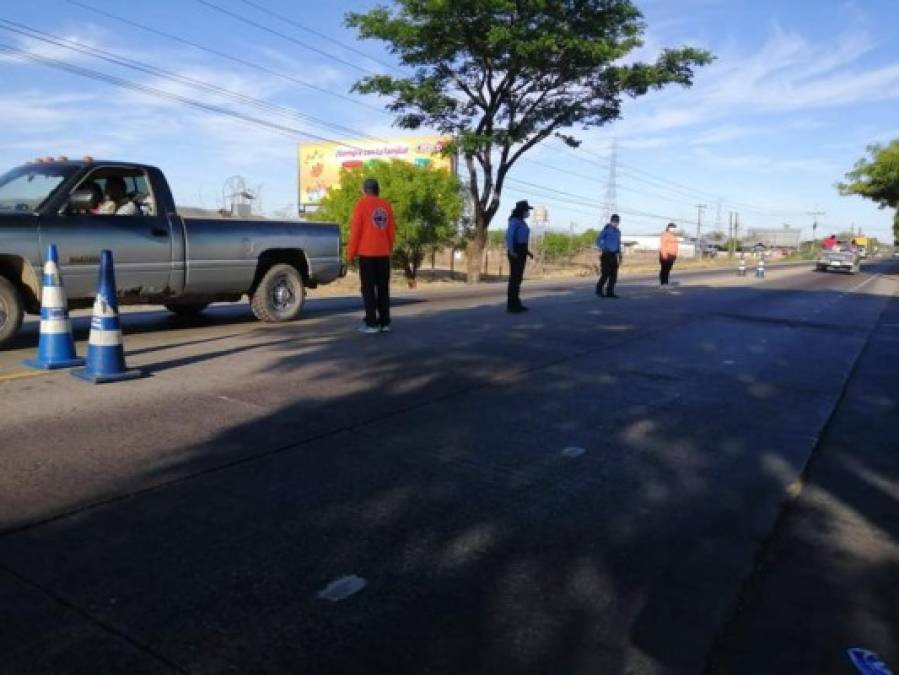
column 236, row 197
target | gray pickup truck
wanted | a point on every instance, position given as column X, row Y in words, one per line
column 160, row 257
column 843, row 256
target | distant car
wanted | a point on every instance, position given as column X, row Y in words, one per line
column 842, row 257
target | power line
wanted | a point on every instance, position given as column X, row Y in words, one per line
column 673, row 186
column 284, row 36
column 133, row 64
column 224, row 55
column 587, row 201
column 159, row 93
column 319, row 34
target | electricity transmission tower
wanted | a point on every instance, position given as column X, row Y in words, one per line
column 611, row 200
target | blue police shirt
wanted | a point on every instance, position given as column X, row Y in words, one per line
column 609, row 240
column 517, row 232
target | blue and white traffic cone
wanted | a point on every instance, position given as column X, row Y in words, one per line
column 741, row 268
column 56, row 346
column 760, row 269
column 105, row 353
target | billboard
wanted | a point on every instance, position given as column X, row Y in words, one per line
column 320, row 163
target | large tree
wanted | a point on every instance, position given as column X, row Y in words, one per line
column 426, row 203
column 877, row 178
column 500, row 76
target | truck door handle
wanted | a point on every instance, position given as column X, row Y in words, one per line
column 159, row 232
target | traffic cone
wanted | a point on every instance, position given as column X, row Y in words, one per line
column 105, row 353
column 56, row 346
column 760, row 269
column 741, row 268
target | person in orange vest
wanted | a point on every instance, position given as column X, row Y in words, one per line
column 667, row 253
column 372, row 233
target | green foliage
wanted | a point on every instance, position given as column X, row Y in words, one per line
column 496, row 238
column 426, row 203
column 500, row 76
column 877, row 178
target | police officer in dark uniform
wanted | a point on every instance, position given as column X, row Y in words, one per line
column 609, row 244
column 517, row 236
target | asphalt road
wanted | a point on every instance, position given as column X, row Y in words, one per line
column 585, row 488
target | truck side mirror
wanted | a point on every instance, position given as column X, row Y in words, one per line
column 84, row 199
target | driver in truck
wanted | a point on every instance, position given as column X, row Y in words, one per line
column 117, row 200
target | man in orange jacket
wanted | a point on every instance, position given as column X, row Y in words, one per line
column 372, row 233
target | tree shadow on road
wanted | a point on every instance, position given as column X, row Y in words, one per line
column 444, row 476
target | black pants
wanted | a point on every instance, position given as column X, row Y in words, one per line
column 666, row 269
column 608, row 265
column 516, row 274
column 375, row 276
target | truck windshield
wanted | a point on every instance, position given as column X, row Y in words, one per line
column 26, row 188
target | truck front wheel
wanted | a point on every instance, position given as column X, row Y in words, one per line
column 11, row 312
column 280, row 294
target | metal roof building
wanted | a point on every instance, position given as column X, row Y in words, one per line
column 781, row 237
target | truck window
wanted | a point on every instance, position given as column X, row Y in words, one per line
column 126, row 191
column 27, row 188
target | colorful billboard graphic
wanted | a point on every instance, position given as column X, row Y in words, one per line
column 320, row 163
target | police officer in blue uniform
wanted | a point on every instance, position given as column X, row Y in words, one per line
column 518, row 235
column 609, row 244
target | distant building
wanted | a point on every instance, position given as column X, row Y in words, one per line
column 652, row 242
column 781, row 237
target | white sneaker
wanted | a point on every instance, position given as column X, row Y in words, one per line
column 385, row 329
column 367, row 330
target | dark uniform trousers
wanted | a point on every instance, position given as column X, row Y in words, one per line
column 516, row 274
column 374, row 272
column 608, row 264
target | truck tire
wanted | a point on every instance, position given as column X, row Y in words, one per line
column 280, row 294
column 187, row 309
column 11, row 312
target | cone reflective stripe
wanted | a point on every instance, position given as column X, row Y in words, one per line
column 105, row 352
column 56, row 346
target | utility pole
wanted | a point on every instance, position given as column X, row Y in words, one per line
column 736, row 230
column 730, row 234
column 699, row 209
column 814, row 215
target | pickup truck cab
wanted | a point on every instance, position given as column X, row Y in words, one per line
column 160, row 257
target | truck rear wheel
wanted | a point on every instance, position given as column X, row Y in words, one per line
column 11, row 312
column 280, row 294
column 187, row 309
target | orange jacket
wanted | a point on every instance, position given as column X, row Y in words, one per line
column 372, row 229
column 668, row 248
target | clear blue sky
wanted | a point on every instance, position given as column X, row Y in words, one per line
column 797, row 92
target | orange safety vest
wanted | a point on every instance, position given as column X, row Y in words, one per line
column 669, row 246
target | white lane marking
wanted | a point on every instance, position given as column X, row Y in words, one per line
column 573, row 451
column 342, row 588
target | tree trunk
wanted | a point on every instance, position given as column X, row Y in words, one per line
column 410, row 273
column 474, row 252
